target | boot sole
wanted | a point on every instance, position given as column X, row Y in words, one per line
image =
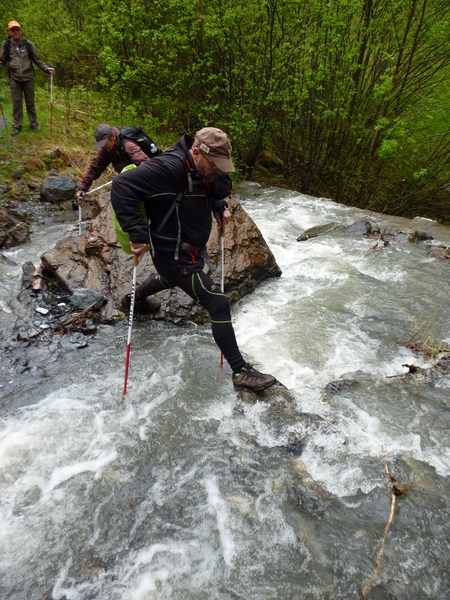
column 255, row 389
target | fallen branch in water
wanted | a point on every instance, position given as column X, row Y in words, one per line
column 76, row 323
column 396, row 490
column 380, row 243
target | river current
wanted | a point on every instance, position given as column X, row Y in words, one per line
column 185, row 492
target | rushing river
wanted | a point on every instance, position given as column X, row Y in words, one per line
column 187, row 493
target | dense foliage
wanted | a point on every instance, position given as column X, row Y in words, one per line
column 349, row 98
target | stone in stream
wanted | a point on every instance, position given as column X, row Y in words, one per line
column 282, row 416
column 270, row 449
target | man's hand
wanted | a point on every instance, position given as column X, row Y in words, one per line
column 222, row 220
column 139, row 250
column 79, row 195
column 50, row 70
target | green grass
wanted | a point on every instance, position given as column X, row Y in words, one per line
column 65, row 141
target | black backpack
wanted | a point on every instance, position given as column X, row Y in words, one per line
column 145, row 142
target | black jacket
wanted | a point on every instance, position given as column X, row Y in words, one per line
column 157, row 183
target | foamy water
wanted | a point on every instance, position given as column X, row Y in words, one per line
column 183, row 492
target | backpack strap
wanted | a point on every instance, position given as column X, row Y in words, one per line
column 123, row 155
column 8, row 42
column 7, row 54
column 27, row 45
column 176, row 206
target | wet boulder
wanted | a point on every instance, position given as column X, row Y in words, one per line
column 83, row 298
column 361, row 227
column 58, row 189
column 95, row 260
column 317, row 230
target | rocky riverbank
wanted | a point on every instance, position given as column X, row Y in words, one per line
column 78, row 284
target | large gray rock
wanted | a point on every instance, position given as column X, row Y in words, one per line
column 95, row 260
column 83, row 298
column 58, row 189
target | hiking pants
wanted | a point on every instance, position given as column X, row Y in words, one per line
column 20, row 90
column 203, row 290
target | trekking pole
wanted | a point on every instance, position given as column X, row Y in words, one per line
column 99, row 187
column 130, row 325
column 222, row 276
column 51, row 102
column 87, row 194
column 3, row 117
column 77, row 205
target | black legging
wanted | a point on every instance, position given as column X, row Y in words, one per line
column 203, row 290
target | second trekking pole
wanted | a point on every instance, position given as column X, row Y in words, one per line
column 3, row 116
column 222, row 276
column 51, row 102
column 130, row 326
column 87, row 194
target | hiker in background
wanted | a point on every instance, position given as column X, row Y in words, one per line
column 118, row 148
column 180, row 191
column 19, row 54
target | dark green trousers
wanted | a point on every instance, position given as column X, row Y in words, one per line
column 19, row 91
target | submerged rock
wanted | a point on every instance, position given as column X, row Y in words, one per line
column 282, row 416
column 386, row 234
column 362, row 227
column 86, row 298
column 274, row 396
column 317, row 230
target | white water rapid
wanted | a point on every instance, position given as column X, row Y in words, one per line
column 187, row 493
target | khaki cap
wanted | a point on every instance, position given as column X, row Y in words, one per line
column 215, row 143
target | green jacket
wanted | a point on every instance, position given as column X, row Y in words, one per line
column 21, row 59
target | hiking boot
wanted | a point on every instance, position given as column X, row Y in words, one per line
column 15, row 131
column 35, row 127
column 142, row 306
column 251, row 379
